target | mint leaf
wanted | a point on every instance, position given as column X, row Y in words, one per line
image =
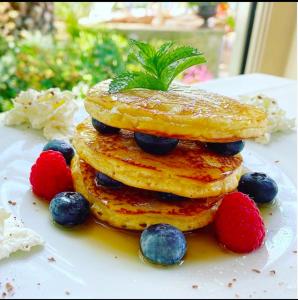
column 144, row 54
column 170, row 72
column 127, row 81
column 146, row 50
column 163, row 50
column 177, row 54
column 160, row 66
column 147, row 65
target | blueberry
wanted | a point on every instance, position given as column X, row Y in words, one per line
column 103, row 128
column 227, row 149
column 258, row 186
column 163, row 244
column 102, row 179
column 69, row 208
column 61, row 146
column 155, row 144
column 170, row 197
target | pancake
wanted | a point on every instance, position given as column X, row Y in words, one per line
column 135, row 209
column 205, row 117
column 190, row 170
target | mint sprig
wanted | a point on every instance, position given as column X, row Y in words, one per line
column 161, row 66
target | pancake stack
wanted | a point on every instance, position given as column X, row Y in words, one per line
column 183, row 187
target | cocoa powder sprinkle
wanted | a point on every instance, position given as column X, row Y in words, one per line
column 256, row 271
column 51, row 259
column 272, row 272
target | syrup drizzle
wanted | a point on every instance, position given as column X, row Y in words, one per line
column 202, row 245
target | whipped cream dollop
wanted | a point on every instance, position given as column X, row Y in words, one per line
column 51, row 110
column 14, row 236
column 277, row 119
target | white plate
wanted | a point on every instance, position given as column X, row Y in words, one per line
column 98, row 262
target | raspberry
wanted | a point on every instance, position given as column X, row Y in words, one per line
column 50, row 175
column 238, row 223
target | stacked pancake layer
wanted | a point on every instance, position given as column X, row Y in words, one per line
column 135, row 209
column 206, row 117
column 190, row 170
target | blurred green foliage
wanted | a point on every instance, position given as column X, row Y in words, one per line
column 72, row 56
column 230, row 21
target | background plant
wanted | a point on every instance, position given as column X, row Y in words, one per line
column 68, row 57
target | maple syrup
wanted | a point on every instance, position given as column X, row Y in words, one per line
column 201, row 244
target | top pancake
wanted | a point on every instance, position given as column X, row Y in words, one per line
column 205, row 117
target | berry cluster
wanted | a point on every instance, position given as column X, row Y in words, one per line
column 51, row 180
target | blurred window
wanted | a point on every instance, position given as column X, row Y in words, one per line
column 219, row 29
